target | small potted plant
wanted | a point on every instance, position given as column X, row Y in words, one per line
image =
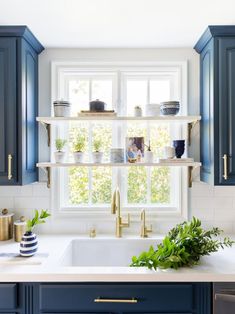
column 97, row 155
column 148, row 154
column 59, row 154
column 78, row 147
column 29, row 242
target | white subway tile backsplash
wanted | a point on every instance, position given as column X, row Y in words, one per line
column 13, row 191
column 224, row 214
column 200, row 203
column 6, row 202
column 224, row 191
column 205, row 214
column 223, row 203
column 40, row 189
column 201, row 189
column 32, row 202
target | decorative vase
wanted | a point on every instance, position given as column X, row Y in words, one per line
column 28, row 244
column 97, row 157
column 59, row 156
column 179, row 147
column 78, row 156
column 148, row 156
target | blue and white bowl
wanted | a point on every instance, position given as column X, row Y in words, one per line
column 28, row 244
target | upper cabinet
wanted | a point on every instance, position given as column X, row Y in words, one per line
column 217, row 104
column 19, row 51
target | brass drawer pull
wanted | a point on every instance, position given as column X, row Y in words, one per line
column 100, row 300
column 9, row 167
column 225, row 158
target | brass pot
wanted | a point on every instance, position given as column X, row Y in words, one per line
column 19, row 229
column 6, row 226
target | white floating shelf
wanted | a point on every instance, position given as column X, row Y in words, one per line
column 106, row 164
column 185, row 119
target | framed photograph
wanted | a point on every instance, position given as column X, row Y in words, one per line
column 134, row 149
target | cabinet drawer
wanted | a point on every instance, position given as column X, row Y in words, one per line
column 8, row 296
column 149, row 298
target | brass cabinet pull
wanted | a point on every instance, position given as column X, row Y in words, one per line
column 225, row 158
column 9, row 167
column 100, row 300
column 225, row 297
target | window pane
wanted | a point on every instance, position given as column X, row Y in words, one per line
column 101, row 185
column 102, row 89
column 102, row 177
column 160, row 185
column 137, row 185
column 136, row 94
column 79, row 95
column 159, row 138
column 159, row 91
column 78, row 186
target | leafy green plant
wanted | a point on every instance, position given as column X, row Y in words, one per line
column 37, row 219
column 97, row 144
column 59, row 143
column 183, row 246
column 79, row 143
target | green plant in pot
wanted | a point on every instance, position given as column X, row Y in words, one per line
column 97, row 154
column 29, row 242
column 59, row 154
column 78, row 148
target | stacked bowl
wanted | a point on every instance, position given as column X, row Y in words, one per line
column 169, row 108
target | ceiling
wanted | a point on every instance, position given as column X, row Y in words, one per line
column 117, row 23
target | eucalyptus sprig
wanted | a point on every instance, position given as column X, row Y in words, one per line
column 37, row 219
column 183, row 246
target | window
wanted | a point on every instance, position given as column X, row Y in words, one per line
column 89, row 190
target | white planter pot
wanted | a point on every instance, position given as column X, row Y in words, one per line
column 59, row 157
column 78, row 157
column 148, row 156
column 97, row 157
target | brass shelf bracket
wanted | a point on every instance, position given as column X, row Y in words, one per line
column 47, row 170
column 191, row 125
column 47, row 127
column 190, row 175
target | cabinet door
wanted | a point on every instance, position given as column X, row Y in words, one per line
column 27, row 112
column 8, row 136
column 226, row 115
column 207, row 113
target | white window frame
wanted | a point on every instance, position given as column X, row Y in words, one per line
column 59, row 71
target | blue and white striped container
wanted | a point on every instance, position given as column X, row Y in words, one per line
column 28, row 244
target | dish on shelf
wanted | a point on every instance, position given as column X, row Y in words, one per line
column 169, row 108
column 175, row 160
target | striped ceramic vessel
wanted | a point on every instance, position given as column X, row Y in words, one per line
column 28, row 244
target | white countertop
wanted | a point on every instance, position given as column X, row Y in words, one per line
column 218, row 266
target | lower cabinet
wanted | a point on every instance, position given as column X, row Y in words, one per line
column 105, row 298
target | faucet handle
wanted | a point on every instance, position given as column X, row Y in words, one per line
column 150, row 229
column 126, row 223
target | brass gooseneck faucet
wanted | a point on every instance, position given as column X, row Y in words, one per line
column 144, row 229
column 116, row 209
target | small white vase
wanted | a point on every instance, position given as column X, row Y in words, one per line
column 148, row 156
column 78, row 157
column 97, row 157
column 59, row 156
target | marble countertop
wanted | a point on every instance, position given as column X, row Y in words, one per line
column 46, row 266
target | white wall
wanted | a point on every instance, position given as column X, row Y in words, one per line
column 214, row 206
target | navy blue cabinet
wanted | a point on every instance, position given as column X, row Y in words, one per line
column 19, row 51
column 92, row 298
column 217, row 104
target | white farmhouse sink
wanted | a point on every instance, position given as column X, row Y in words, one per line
column 105, row 251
